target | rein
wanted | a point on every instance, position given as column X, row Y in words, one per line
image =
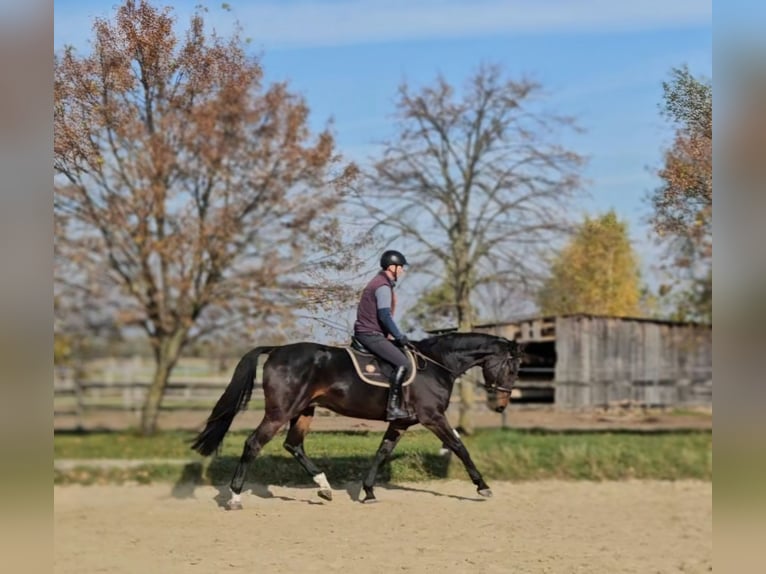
column 414, row 351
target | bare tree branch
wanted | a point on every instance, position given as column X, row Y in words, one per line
column 477, row 180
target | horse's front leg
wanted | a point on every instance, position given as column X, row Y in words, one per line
column 444, row 431
column 390, row 439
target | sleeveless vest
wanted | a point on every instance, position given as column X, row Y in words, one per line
column 367, row 311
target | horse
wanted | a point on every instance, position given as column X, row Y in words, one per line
column 298, row 377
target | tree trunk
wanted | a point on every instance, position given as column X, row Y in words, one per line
column 166, row 357
column 467, row 397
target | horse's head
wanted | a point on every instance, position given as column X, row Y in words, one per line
column 500, row 371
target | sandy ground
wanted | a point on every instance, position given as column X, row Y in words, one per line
column 644, row 527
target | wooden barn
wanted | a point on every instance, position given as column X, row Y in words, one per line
column 583, row 361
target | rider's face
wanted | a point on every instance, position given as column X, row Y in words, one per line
column 396, row 271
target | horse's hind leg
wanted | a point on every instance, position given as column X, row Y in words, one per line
column 442, row 429
column 299, row 427
column 387, row 446
column 253, row 445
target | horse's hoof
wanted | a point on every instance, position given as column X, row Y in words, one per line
column 369, row 497
column 232, row 505
column 485, row 492
column 325, row 493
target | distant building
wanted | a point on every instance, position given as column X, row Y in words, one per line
column 584, row 361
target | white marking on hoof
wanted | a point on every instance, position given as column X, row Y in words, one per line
column 321, row 481
column 324, row 493
column 486, row 493
column 235, row 502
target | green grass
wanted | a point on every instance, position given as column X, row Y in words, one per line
column 498, row 454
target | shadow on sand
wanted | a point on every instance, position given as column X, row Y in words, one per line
column 282, row 471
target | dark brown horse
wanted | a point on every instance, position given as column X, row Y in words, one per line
column 301, row 376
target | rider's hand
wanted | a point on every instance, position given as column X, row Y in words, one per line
column 403, row 341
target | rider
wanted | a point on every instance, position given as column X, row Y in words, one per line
column 375, row 326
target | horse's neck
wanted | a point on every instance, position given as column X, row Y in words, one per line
column 467, row 361
column 460, row 361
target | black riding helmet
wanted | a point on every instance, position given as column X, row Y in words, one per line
column 392, row 257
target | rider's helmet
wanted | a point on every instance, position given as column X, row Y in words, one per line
column 392, row 257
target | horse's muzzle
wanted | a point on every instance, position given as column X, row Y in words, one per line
column 499, row 409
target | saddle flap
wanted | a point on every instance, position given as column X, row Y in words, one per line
column 376, row 372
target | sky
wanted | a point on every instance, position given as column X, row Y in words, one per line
column 601, row 61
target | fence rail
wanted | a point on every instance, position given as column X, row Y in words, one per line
column 78, row 396
column 74, row 398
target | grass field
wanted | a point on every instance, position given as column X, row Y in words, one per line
column 345, row 456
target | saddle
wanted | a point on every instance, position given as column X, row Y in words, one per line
column 374, row 371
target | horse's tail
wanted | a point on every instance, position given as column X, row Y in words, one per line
column 233, row 400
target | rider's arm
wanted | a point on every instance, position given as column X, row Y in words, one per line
column 383, row 301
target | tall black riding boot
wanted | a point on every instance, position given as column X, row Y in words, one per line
column 395, row 411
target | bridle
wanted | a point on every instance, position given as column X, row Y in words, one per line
column 487, row 386
column 497, row 387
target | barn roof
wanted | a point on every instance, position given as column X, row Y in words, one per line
column 574, row 315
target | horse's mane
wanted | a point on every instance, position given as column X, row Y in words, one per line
column 457, row 342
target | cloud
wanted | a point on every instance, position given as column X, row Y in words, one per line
column 305, row 23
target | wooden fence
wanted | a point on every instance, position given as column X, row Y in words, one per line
column 114, row 384
column 75, row 397
column 78, row 396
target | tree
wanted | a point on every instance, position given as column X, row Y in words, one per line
column 434, row 309
column 189, row 198
column 478, row 181
column 597, row 272
column 683, row 204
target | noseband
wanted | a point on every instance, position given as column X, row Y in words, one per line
column 494, row 388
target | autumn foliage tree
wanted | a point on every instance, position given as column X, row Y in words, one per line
column 683, row 204
column 189, row 198
column 597, row 272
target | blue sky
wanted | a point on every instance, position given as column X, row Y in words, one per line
column 600, row 61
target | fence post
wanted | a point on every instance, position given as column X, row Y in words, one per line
column 78, row 399
column 137, row 396
column 127, row 397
